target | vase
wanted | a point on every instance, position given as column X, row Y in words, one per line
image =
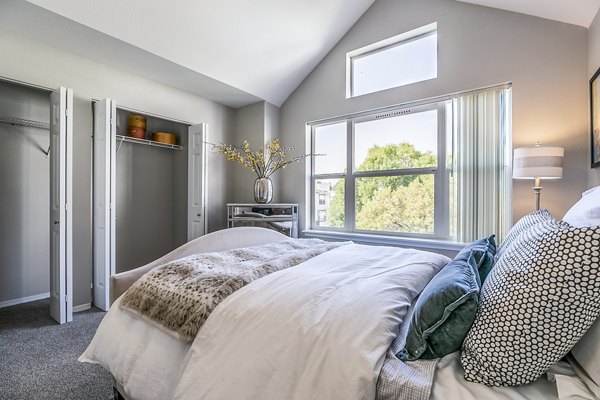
column 263, row 190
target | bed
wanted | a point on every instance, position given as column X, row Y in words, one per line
column 329, row 327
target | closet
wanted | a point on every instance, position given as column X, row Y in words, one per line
column 148, row 195
column 35, row 196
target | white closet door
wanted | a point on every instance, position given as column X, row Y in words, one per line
column 196, row 181
column 105, row 123
column 61, row 252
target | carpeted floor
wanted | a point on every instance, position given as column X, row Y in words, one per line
column 38, row 357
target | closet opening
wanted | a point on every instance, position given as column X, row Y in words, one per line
column 35, row 182
column 148, row 189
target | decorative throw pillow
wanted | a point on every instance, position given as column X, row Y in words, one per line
column 521, row 226
column 484, row 251
column 445, row 310
column 586, row 212
column 539, row 300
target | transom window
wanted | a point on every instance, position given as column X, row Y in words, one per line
column 400, row 60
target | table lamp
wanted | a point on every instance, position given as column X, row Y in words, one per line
column 538, row 162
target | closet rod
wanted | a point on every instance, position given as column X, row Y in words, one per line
column 24, row 122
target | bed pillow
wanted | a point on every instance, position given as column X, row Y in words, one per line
column 586, row 212
column 521, row 226
column 539, row 300
column 484, row 251
column 444, row 311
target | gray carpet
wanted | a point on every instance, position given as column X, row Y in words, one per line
column 38, row 357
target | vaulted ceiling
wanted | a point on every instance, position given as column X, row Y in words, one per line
column 234, row 52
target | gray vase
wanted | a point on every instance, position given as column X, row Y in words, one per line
column 263, row 190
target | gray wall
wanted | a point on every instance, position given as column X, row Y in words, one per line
column 47, row 66
column 250, row 126
column 593, row 65
column 24, row 195
column 257, row 123
column 151, row 195
column 546, row 62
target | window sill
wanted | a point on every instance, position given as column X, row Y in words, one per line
column 381, row 240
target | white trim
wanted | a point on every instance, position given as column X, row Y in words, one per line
column 26, row 299
column 82, row 307
column 408, row 104
column 386, row 240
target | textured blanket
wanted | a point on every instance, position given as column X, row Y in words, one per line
column 180, row 295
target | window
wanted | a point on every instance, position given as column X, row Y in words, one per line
column 322, row 199
column 397, row 168
column 400, row 60
column 416, row 171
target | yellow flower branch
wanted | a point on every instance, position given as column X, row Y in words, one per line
column 263, row 162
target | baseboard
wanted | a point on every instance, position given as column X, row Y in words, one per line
column 22, row 300
column 82, row 307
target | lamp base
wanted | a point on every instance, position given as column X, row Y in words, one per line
column 537, row 190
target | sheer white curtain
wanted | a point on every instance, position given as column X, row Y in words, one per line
column 482, row 143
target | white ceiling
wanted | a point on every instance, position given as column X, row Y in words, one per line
column 264, row 48
column 577, row 12
column 235, row 52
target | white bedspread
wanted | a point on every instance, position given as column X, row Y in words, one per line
column 145, row 360
column 317, row 330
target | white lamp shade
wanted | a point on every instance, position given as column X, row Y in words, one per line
column 538, row 162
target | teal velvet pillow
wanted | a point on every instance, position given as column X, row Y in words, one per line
column 445, row 310
column 484, row 251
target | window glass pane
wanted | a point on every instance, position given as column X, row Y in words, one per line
column 395, row 203
column 330, row 141
column 329, row 203
column 406, row 141
column 402, row 64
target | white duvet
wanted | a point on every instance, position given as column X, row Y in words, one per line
column 317, row 330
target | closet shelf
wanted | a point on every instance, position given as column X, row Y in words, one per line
column 24, row 122
column 147, row 142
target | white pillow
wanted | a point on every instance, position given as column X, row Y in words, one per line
column 586, row 212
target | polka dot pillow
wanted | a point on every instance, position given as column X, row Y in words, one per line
column 521, row 226
column 538, row 301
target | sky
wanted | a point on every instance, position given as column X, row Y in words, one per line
column 420, row 129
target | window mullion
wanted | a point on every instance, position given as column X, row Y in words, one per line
column 350, row 192
column 441, row 206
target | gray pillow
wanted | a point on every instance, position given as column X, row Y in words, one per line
column 444, row 311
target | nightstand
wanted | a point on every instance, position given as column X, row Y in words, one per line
column 282, row 217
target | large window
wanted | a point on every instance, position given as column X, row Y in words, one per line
column 400, row 60
column 415, row 171
column 397, row 162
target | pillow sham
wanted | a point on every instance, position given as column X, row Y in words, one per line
column 586, row 212
column 539, row 300
column 444, row 311
column 521, row 226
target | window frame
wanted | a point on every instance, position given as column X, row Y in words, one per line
column 441, row 172
column 382, row 45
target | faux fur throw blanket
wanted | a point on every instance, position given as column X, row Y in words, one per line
column 180, row 295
